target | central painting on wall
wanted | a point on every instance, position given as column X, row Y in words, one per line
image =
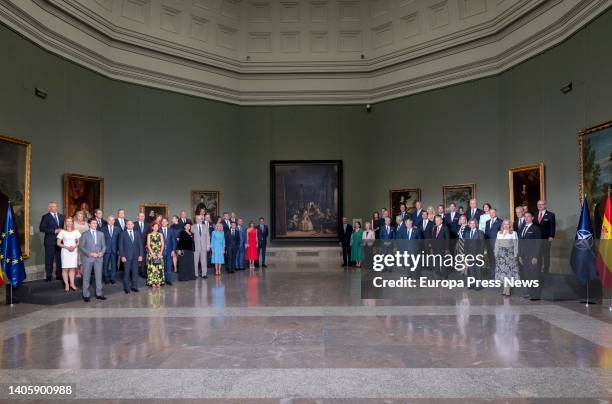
column 306, row 199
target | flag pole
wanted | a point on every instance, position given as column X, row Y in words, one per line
column 11, row 287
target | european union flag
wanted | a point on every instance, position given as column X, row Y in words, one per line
column 583, row 256
column 10, row 251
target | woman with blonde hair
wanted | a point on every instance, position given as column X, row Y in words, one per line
column 68, row 241
column 80, row 224
column 506, row 255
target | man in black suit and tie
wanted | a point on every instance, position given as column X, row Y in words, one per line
column 545, row 220
column 529, row 251
column 426, row 225
column 109, row 263
column 439, row 242
column 169, row 249
column 142, row 228
column 403, row 214
column 232, row 248
column 491, row 228
column 184, row 219
column 519, row 219
column 451, row 219
column 121, row 220
column 52, row 223
column 473, row 212
column 99, row 215
column 474, row 245
column 345, row 232
column 262, row 241
column 387, row 231
column 131, row 251
column 417, row 214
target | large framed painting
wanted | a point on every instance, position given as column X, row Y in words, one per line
column 407, row 196
column 595, row 158
column 83, row 192
column 15, row 158
column 151, row 210
column 208, row 200
column 306, row 199
column 460, row 194
column 526, row 187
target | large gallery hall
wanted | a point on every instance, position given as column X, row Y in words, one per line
column 306, row 201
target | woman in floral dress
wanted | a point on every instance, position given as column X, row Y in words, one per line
column 155, row 261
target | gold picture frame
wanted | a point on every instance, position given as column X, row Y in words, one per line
column 459, row 193
column 209, row 199
column 157, row 207
column 15, row 186
column 594, row 152
column 526, row 184
column 82, row 189
column 397, row 196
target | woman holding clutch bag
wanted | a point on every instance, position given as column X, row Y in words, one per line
column 155, row 262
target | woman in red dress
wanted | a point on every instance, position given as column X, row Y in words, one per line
column 251, row 245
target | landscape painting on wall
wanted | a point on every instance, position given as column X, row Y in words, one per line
column 15, row 186
column 460, row 194
column 306, row 199
column 208, row 200
column 526, row 187
column 595, row 158
column 407, row 196
column 152, row 210
column 83, row 193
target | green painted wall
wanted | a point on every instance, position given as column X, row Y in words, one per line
column 152, row 145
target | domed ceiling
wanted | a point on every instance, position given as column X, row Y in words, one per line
column 298, row 51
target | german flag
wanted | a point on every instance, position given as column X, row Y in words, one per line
column 604, row 256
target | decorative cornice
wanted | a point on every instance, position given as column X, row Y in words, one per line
column 485, row 50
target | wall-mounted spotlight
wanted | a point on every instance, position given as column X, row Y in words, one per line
column 40, row 93
column 567, row 88
column 368, row 108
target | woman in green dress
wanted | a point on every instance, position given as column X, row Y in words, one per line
column 155, row 261
column 356, row 239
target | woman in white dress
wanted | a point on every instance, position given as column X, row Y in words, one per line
column 506, row 255
column 80, row 224
column 482, row 223
column 68, row 241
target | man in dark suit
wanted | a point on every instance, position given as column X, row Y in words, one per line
column 417, row 214
column 184, row 219
column 545, row 220
column 491, row 228
column 426, row 225
column 121, row 220
column 519, row 219
column 262, row 240
column 408, row 238
column 142, row 228
column 170, row 241
column 232, row 248
column 403, row 214
column 111, row 236
column 131, row 251
column 451, row 219
column 52, row 223
column 473, row 211
column 344, row 233
column 387, row 231
column 474, row 245
column 440, row 243
column 529, row 251
column 99, row 215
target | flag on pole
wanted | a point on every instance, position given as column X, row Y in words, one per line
column 11, row 260
column 604, row 256
column 583, row 257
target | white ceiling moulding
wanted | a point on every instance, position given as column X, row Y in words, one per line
column 203, row 59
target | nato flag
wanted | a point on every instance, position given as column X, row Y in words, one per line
column 583, row 256
column 10, row 251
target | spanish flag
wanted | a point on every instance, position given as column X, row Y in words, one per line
column 604, row 256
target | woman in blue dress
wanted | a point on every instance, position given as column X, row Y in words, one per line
column 217, row 246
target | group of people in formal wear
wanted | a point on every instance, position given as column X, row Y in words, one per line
column 151, row 247
column 514, row 250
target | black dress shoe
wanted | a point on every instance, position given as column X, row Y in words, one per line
column 112, row 282
column 204, row 277
column 534, row 299
column 47, row 279
column 86, row 299
column 264, row 266
column 135, row 290
column 127, row 292
column 169, row 283
column 101, row 297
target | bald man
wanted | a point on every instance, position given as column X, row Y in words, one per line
column 545, row 220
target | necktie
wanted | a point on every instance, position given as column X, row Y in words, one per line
column 165, row 233
column 540, row 217
column 131, row 236
column 473, row 212
column 200, row 229
column 471, row 234
column 524, row 231
column 141, row 227
column 232, row 232
column 110, row 231
column 437, row 231
column 56, row 219
column 409, row 233
column 93, row 233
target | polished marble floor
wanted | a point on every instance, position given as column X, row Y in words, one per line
column 300, row 333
